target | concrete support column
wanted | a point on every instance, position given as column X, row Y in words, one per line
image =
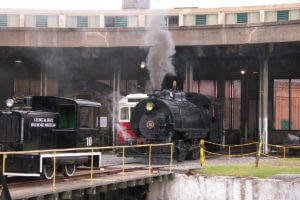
column 180, row 19
column 221, row 94
column 102, row 21
column 189, row 78
column 116, row 97
column 22, row 20
column 142, row 20
column 261, row 16
column 221, row 18
column 244, row 106
column 62, row 21
column 265, row 55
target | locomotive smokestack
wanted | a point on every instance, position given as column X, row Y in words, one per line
column 162, row 49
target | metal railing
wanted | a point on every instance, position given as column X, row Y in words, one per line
column 92, row 149
column 283, row 149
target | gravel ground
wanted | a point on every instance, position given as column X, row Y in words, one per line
column 114, row 161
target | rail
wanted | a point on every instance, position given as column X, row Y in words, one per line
column 92, row 149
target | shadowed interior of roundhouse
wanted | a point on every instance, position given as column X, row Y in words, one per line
column 74, row 70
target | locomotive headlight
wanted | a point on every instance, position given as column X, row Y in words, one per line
column 149, row 106
column 10, row 103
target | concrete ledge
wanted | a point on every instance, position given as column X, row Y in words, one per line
column 224, row 187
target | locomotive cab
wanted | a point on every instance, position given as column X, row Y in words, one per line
column 44, row 122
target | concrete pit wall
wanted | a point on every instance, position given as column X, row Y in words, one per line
column 223, row 187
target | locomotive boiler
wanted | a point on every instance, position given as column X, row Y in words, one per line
column 44, row 122
column 180, row 118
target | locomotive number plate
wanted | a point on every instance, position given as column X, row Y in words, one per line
column 150, row 124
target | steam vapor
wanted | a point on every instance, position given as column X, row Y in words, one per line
column 160, row 55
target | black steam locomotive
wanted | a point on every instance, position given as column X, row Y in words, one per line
column 44, row 122
column 181, row 118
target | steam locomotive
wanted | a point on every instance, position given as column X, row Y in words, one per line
column 180, row 118
column 44, row 122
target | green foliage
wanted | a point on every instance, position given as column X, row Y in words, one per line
column 261, row 172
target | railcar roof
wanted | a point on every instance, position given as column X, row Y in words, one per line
column 80, row 102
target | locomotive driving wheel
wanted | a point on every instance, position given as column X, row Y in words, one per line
column 195, row 153
column 69, row 170
column 48, row 171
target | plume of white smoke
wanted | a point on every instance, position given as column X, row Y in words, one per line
column 162, row 49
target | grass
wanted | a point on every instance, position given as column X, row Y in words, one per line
column 261, row 172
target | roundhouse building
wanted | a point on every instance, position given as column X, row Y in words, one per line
column 246, row 56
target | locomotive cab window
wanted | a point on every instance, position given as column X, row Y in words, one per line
column 88, row 117
column 67, row 116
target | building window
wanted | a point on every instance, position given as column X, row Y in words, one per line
column 121, row 21
column 242, row 18
column 172, row 21
column 282, row 15
column 165, row 20
column 110, row 21
column 116, row 21
column 3, row 20
column 232, row 104
column 82, row 21
column 41, row 21
column 286, row 104
column 200, row 19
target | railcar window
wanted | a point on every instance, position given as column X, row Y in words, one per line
column 67, row 117
column 124, row 115
column 88, row 117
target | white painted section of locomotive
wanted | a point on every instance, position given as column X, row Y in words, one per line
column 65, row 155
column 199, row 187
column 51, row 155
column 22, row 174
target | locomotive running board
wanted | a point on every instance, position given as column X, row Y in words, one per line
column 21, row 174
column 59, row 155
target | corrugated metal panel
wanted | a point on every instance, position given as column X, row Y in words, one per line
column 211, row 19
column 82, row 21
column 94, row 21
column 52, row 21
column 13, row 20
column 121, row 21
column 29, row 21
column 230, row 18
column 41, row 21
column 3, row 20
column 133, row 21
column 282, row 15
column 200, row 20
column 71, row 21
column 294, row 14
column 242, row 18
column 253, row 17
column 189, row 20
